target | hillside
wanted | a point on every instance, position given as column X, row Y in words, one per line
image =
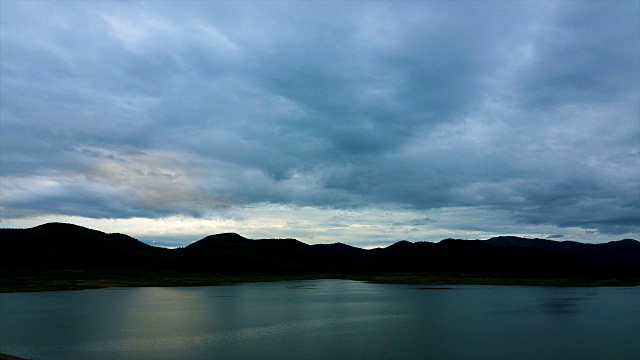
column 66, row 246
column 236, row 254
column 64, row 249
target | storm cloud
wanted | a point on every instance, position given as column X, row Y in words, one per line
column 482, row 117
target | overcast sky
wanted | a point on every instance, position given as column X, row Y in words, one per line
column 359, row 122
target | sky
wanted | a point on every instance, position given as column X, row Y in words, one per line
column 357, row 122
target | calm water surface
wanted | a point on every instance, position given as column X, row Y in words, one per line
column 323, row 319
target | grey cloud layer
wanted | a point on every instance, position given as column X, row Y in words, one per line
column 120, row 109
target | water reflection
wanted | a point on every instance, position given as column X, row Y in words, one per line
column 562, row 305
column 322, row 319
column 305, row 286
column 436, row 288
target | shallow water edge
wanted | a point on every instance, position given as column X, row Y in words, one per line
column 80, row 280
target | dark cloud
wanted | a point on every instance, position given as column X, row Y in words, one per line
column 149, row 109
column 583, row 58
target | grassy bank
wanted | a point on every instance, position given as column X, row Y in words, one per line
column 78, row 280
column 482, row 279
column 9, row 357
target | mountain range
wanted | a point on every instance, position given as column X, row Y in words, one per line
column 59, row 246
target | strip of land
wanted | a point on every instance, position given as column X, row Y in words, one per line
column 74, row 280
column 58, row 256
column 9, row 357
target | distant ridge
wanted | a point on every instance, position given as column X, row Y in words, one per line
column 217, row 242
column 622, row 252
column 59, row 246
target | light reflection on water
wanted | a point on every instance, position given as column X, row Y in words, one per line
column 323, row 319
column 238, row 335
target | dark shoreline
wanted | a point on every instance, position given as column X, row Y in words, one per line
column 10, row 357
column 79, row 280
column 58, row 256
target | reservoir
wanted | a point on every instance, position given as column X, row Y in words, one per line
column 323, row 319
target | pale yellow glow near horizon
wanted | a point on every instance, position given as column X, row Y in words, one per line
column 363, row 228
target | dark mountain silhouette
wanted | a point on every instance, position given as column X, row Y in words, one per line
column 623, row 252
column 66, row 246
column 344, row 257
column 226, row 241
column 472, row 256
column 57, row 246
column 234, row 253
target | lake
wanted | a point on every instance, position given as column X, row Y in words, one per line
column 324, row 319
